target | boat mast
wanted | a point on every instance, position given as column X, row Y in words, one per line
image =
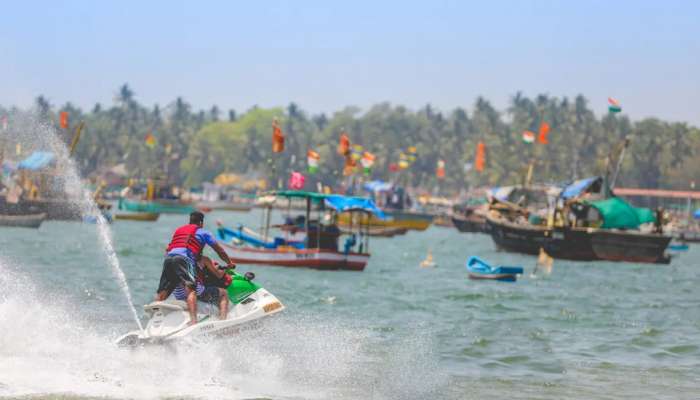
column 619, row 162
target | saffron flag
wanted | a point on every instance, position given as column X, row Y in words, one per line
column 544, row 131
column 480, row 160
column 150, row 140
column 350, row 165
column 614, row 105
column 367, row 162
column 277, row 137
column 440, row 171
column 296, row 181
column 528, row 137
column 343, row 144
column 64, row 119
column 312, row 158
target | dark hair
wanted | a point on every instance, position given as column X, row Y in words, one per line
column 196, row 218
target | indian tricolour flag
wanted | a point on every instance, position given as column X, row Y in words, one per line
column 614, row 105
column 367, row 162
column 312, row 158
column 528, row 137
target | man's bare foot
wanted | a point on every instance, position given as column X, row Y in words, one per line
column 192, row 322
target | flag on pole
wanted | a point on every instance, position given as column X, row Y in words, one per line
column 296, row 181
column 150, row 140
column 614, row 105
column 343, row 144
column 356, row 152
column 544, row 131
column 528, row 137
column 403, row 161
column 367, row 162
column 312, row 158
column 277, row 137
column 440, row 171
column 480, row 160
column 64, row 119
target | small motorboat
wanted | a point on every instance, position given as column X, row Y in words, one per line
column 480, row 270
column 678, row 247
column 137, row 216
column 168, row 321
column 22, row 221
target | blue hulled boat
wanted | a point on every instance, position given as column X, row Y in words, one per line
column 479, row 269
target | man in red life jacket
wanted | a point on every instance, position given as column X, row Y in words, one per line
column 180, row 264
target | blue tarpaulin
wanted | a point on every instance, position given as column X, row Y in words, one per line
column 36, row 161
column 696, row 214
column 377, row 186
column 577, row 187
column 344, row 204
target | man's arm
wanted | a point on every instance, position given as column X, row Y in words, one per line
column 222, row 254
column 209, row 239
column 211, row 267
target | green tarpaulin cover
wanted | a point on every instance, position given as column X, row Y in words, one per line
column 618, row 214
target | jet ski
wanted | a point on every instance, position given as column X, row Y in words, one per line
column 168, row 320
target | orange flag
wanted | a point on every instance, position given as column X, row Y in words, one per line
column 440, row 171
column 277, row 137
column 343, row 144
column 64, row 119
column 480, row 156
column 544, row 131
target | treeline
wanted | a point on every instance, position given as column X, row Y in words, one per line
column 192, row 146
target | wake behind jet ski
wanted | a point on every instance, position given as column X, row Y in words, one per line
column 168, row 320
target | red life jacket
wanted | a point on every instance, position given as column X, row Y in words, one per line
column 184, row 237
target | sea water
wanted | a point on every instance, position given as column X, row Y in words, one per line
column 394, row 331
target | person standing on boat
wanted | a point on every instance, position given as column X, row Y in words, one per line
column 180, row 264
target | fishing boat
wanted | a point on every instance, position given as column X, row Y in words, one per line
column 223, row 205
column 137, row 216
column 303, row 241
column 471, row 223
column 480, row 270
column 159, row 206
column 678, row 246
column 588, row 227
column 23, row 221
column 469, row 216
column 400, row 220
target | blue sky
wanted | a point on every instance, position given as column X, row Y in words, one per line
column 325, row 55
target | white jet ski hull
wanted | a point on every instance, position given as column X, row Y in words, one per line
column 168, row 320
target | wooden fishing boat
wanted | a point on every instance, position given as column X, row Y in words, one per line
column 516, row 237
column 394, row 219
column 225, row 206
column 480, row 270
column 160, row 206
column 378, row 231
column 305, row 242
column 137, row 216
column 470, row 224
column 23, row 221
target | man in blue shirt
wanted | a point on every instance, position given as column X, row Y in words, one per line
column 182, row 254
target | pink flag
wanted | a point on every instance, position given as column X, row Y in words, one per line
column 296, row 181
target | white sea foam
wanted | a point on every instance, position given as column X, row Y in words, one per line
column 48, row 346
column 35, row 134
